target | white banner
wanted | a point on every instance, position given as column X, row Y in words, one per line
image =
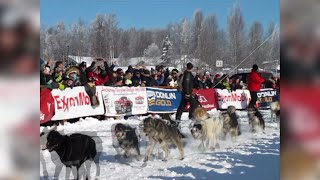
column 74, row 103
column 239, row 98
column 125, row 100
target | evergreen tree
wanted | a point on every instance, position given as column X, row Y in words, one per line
column 166, row 48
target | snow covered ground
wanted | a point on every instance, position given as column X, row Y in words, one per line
column 250, row 157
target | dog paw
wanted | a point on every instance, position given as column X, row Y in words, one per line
column 138, row 157
column 182, row 158
column 217, row 146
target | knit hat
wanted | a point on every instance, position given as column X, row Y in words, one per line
column 189, row 66
column 83, row 64
column 175, row 70
column 255, row 67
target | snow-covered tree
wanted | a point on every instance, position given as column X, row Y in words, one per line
column 152, row 51
column 256, row 38
column 186, row 37
column 208, row 41
column 196, row 29
column 236, row 31
column 166, row 56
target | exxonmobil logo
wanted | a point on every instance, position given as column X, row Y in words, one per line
column 233, row 97
column 65, row 103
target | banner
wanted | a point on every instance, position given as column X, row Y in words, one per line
column 74, row 103
column 266, row 96
column 124, row 100
column 207, row 98
column 46, row 106
column 163, row 100
column 239, row 98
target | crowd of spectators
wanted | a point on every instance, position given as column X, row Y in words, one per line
column 99, row 73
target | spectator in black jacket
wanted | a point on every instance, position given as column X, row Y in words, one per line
column 83, row 73
column 198, row 84
column 136, row 78
column 147, row 80
column 207, row 80
column 46, row 77
column 187, row 93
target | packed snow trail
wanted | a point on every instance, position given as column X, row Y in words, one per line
column 250, row 157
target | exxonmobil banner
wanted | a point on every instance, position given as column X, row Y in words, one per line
column 46, row 106
column 239, row 98
column 207, row 98
column 163, row 100
column 74, row 103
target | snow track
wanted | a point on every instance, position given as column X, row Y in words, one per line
column 250, row 156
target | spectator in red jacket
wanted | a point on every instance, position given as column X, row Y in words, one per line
column 96, row 76
column 254, row 84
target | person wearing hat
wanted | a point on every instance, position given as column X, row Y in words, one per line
column 147, row 80
column 255, row 81
column 173, row 79
column 187, row 94
column 136, row 78
column 83, row 73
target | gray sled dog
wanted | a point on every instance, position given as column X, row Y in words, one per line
column 207, row 128
column 159, row 131
column 230, row 122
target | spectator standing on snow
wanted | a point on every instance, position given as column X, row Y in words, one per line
column 159, row 75
column 187, row 93
column 83, row 73
column 236, row 84
column 207, row 80
column 147, row 80
column 127, row 79
column 173, row 79
column 198, row 84
column 255, row 81
column 136, row 78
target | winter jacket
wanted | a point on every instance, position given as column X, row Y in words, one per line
column 208, row 83
column 83, row 78
column 149, row 81
column 226, row 85
column 254, row 81
column 160, row 81
column 136, row 81
column 198, row 84
column 99, row 80
column 187, row 83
